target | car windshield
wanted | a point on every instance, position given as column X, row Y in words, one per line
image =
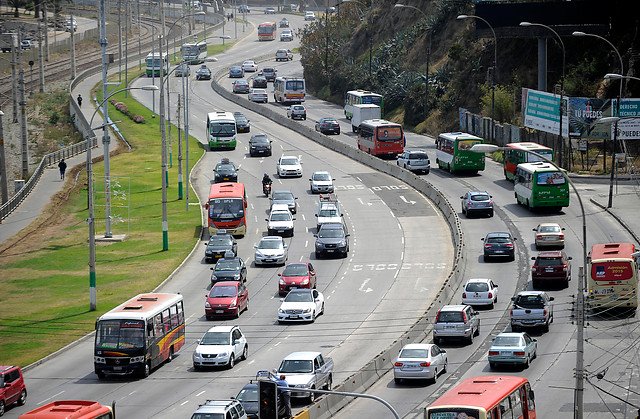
column 280, row 216
column 480, row 197
column 296, row 366
column 553, row 261
column 215, row 338
column 248, row 395
column 296, row 269
column 225, row 168
column 227, row 265
column 282, row 196
column 223, row 291
column 260, row 139
column 120, row 334
column 529, row 301
column 220, row 241
column 477, row 287
column 330, row 233
column 450, row 317
column 549, row 229
column 328, row 212
column 270, row 244
column 321, row 176
column 289, row 162
column 506, row 341
column 222, row 129
column 298, row 297
column 414, row 353
column 226, row 209
column 329, row 121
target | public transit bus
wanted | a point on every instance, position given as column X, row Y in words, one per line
column 360, row 97
column 227, row 208
column 221, row 129
column 612, row 278
column 154, row 61
column 267, row 31
column 194, row 53
column 453, row 152
column 289, row 90
column 381, row 138
column 517, row 153
column 139, row 334
column 539, row 185
column 486, row 397
column 70, row 409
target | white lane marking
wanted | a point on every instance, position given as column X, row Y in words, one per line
column 328, row 297
column 301, row 258
column 203, row 391
column 287, row 337
column 184, row 402
column 402, row 238
column 399, row 226
column 252, row 206
column 306, row 243
column 359, row 180
column 251, row 362
column 255, row 218
column 362, row 287
column 55, row 395
column 392, row 214
column 277, row 343
column 405, row 200
column 402, row 255
column 281, row 146
column 303, row 217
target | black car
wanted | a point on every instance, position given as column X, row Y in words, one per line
column 229, row 268
column 248, row 397
column 259, row 82
column 203, row 73
column 225, row 171
column 499, row 244
column 259, row 145
column 218, row 245
column 332, row 239
column 328, row 126
column 242, row 123
column 269, row 73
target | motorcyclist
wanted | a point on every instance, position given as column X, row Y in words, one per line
column 266, row 180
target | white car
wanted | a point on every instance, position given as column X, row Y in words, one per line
column 480, row 291
column 328, row 213
column 301, row 305
column 258, row 95
column 220, row 346
column 284, row 55
column 289, row 166
column 414, row 160
column 286, row 35
column 321, row 182
column 309, row 16
column 419, row 361
column 249, row 66
column 280, row 222
column 271, row 250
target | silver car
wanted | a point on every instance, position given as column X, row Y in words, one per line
column 321, row 182
column 549, row 235
column 414, row 160
column 284, row 197
column 419, row 361
column 512, row 348
column 456, row 322
column 271, row 250
column 477, row 202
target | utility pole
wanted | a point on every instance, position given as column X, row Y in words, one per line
column 165, row 36
column 126, row 48
column 40, row 57
column 15, row 50
column 185, row 95
column 105, row 113
column 23, row 128
column 579, row 386
column 73, row 45
column 153, row 70
column 3, row 168
column 120, row 41
column 179, row 150
column 163, row 134
column 46, row 30
column 139, row 36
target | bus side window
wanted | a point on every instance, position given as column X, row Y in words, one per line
column 157, row 325
column 516, row 405
column 173, row 313
column 530, row 397
column 180, row 313
column 166, row 321
column 505, row 409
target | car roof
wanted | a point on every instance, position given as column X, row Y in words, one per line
column 280, row 207
column 417, row 346
column 478, row 193
column 478, row 280
column 280, row 211
column 272, row 238
column 453, row 307
column 548, row 225
column 550, row 254
column 332, row 226
column 511, row 334
column 531, row 293
column 320, row 172
column 302, row 354
column 284, row 156
column 222, row 328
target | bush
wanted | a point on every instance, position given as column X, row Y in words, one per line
column 138, row 119
column 54, row 118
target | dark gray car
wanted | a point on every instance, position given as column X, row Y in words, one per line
column 218, row 245
column 259, row 145
column 285, row 197
column 499, row 244
column 332, row 239
column 269, row 73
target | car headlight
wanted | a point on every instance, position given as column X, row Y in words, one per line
column 304, row 386
column 233, row 304
column 343, row 243
column 223, row 354
column 318, row 245
column 207, row 305
column 259, row 254
column 305, row 282
column 137, row 359
column 306, row 310
column 214, row 277
column 281, row 281
column 280, row 311
column 99, row 360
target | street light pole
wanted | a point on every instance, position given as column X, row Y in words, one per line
column 560, row 137
column 163, row 134
column 493, row 73
column 3, row 168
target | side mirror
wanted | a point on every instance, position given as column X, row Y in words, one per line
column 513, row 298
column 482, row 239
column 347, row 235
column 211, row 269
column 475, row 313
column 286, row 245
column 295, row 197
column 266, row 219
column 533, row 258
column 309, row 179
column 570, row 258
column 294, row 218
column 315, row 235
column 514, row 238
column 282, row 300
column 279, row 274
column 535, row 340
column 534, row 229
column 462, row 197
column 443, row 351
column 341, row 214
column 495, row 285
column 551, row 298
column 316, row 215
column 255, row 246
column 198, row 341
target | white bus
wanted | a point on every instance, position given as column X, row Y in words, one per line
column 221, row 130
column 154, row 61
column 288, row 90
column 194, row 53
column 360, row 97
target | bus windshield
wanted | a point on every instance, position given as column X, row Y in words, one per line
column 226, row 209
column 266, row 29
column 223, row 129
column 295, row 85
column 453, row 413
column 120, row 334
column 464, row 145
column 389, row 133
column 550, row 178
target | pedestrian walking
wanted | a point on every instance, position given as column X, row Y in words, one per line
column 79, row 100
column 63, row 168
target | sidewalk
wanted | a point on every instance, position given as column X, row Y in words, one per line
column 624, row 210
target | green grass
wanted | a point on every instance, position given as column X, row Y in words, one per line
column 44, row 286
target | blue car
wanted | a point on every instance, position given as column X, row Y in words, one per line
column 512, row 349
column 236, row 71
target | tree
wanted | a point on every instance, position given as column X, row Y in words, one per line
column 16, row 4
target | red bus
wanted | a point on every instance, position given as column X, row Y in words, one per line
column 227, row 208
column 486, row 397
column 613, row 276
column 517, row 153
column 139, row 334
column 70, row 409
column 381, row 138
column 267, row 31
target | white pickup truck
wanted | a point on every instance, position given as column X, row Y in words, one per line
column 303, row 370
column 328, row 210
column 531, row 309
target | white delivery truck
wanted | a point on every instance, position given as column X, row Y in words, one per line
column 363, row 112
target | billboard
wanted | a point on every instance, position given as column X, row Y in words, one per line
column 583, row 112
column 541, row 111
column 629, row 127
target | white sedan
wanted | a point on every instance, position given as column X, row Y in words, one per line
column 271, row 250
column 480, row 291
column 280, row 222
column 301, row 305
column 419, row 361
column 258, row 95
column 289, row 166
column 249, row 66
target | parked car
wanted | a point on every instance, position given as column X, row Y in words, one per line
column 289, row 166
column 259, row 144
column 297, row 112
column 551, row 268
column 220, row 346
column 456, row 322
column 229, row 268
column 531, row 309
column 225, row 171
column 218, row 245
column 297, row 275
column 301, row 305
column 419, row 361
column 182, row 70
column 269, row 73
column 332, row 239
column 271, row 250
column 12, row 387
column 477, row 202
column 328, row 126
column 259, row 82
column 549, row 235
column 499, row 244
column 284, row 55
column 250, row 66
column 236, row 71
column 286, row 35
column 258, row 95
column 284, row 197
column 242, row 123
column 240, row 86
column 284, row 23
column 203, row 73
column 226, row 299
column 280, row 222
column 415, row 160
column 321, row 182
column 512, row 348
column 480, row 291
column 307, row 370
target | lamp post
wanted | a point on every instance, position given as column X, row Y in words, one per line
column 615, row 128
column 579, row 384
column 3, row 168
column 90, row 219
column 495, row 67
column 560, row 137
column 426, row 73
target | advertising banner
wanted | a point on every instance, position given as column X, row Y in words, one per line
column 583, row 111
column 541, row 111
column 628, row 127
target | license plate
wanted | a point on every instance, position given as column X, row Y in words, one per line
column 226, row 178
column 117, row 368
column 218, row 256
column 411, row 367
column 505, row 353
column 449, row 327
column 269, row 260
column 499, row 251
column 219, row 311
column 280, row 231
column 294, row 317
column 548, row 270
column 329, row 250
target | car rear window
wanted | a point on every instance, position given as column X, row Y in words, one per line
column 479, row 197
column 507, row 341
column 498, row 240
column 477, row 287
column 450, row 317
column 529, row 301
column 549, row 229
column 418, row 156
column 549, row 262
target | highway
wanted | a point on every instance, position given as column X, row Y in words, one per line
column 400, row 254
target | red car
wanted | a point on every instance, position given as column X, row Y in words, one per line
column 551, row 268
column 12, row 388
column 226, row 298
column 297, row 275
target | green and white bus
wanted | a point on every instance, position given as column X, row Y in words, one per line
column 221, row 130
column 194, row 53
column 541, row 185
column 154, row 61
column 453, row 152
column 360, row 97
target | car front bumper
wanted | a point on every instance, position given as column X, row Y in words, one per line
column 299, row 317
column 210, row 360
column 270, row 260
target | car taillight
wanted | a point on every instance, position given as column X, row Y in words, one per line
column 538, row 236
column 544, row 312
column 464, row 295
column 488, row 246
column 425, row 364
column 561, row 236
column 509, row 245
column 564, row 268
column 464, row 317
column 398, row 364
column 490, row 295
column 437, row 317
column 491, row 353
column 518, row 353
column 533, row 268
column 511, row 312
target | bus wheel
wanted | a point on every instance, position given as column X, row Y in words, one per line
column 170, row 357
column 146, row 370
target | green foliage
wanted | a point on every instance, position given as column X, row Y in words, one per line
column 54, row 118
column 503, row 103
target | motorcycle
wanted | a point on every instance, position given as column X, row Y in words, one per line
column 266, row 189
